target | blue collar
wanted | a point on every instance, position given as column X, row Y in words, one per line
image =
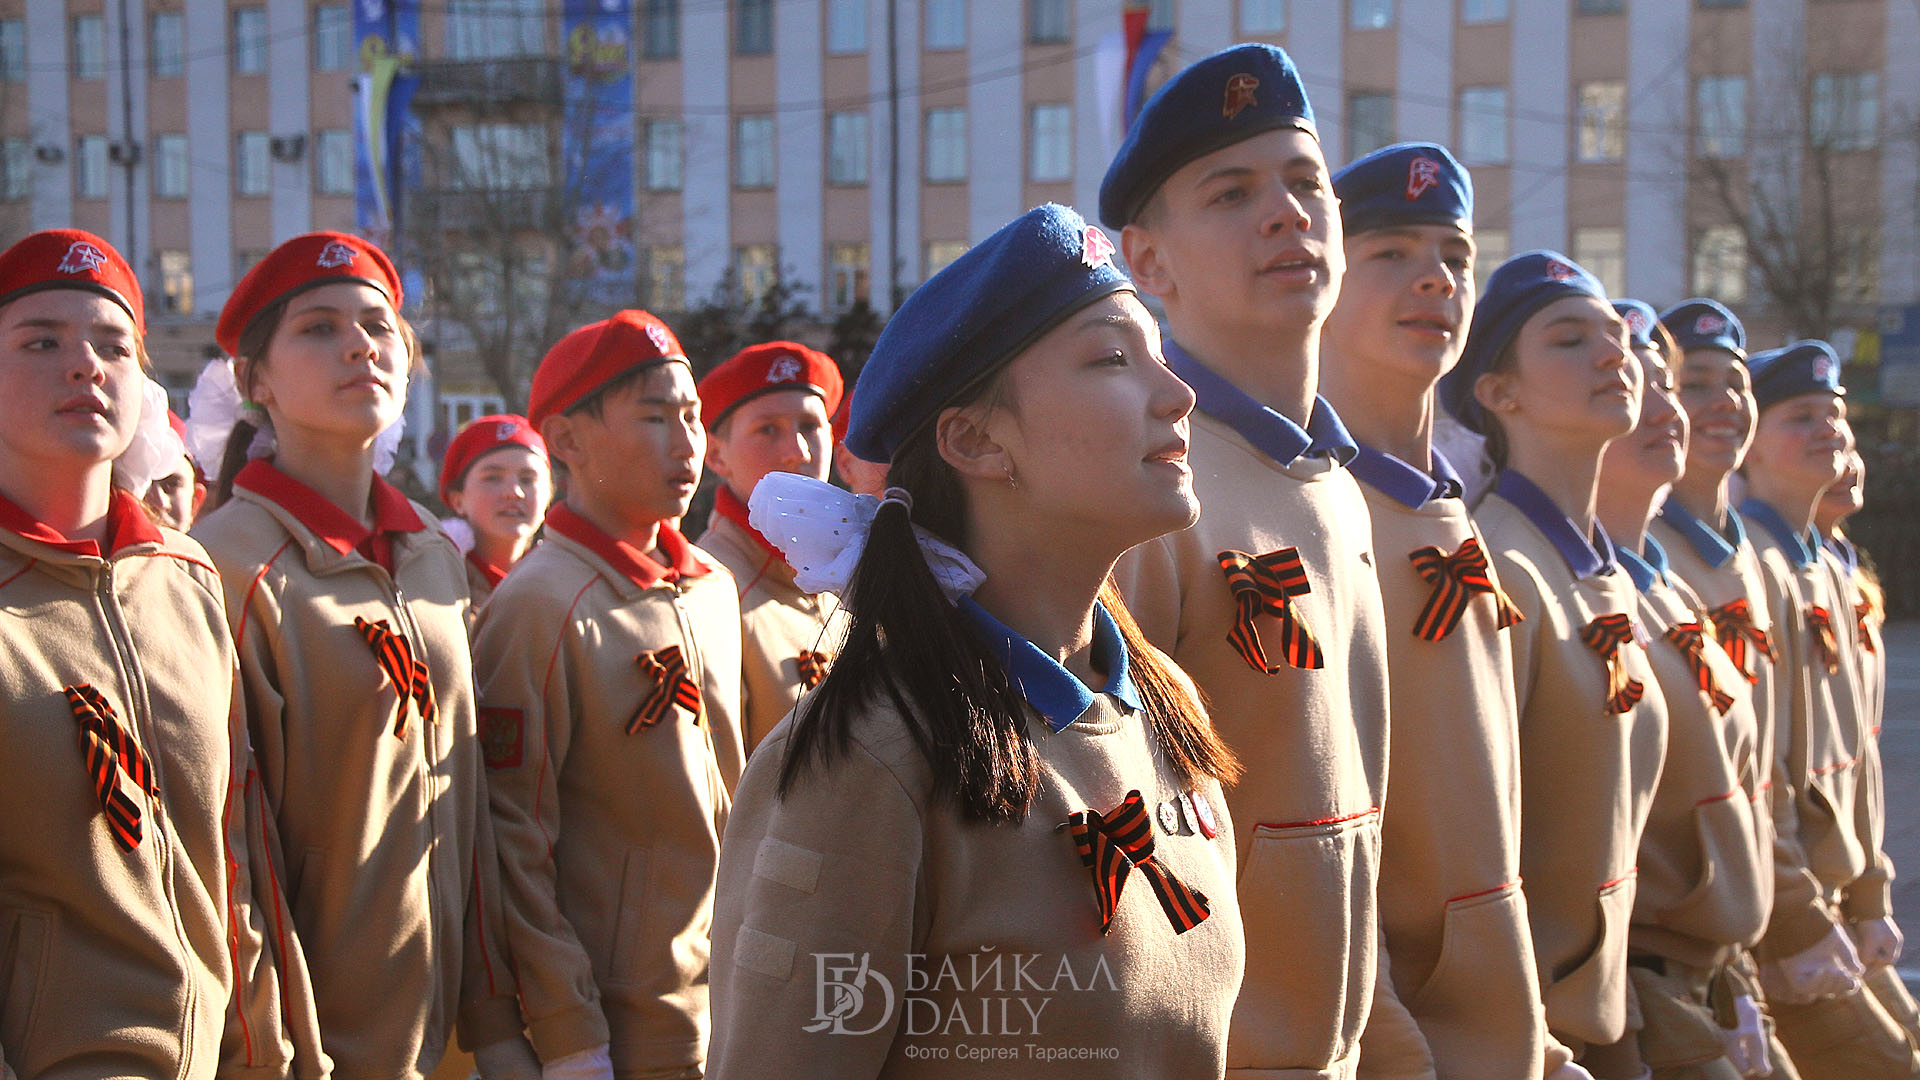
column 1802, row 547
column 1645, row 566
column 1585, row 557
column 1709, row 543
column 1271, row 433
column 1848, row 555
column 1054, row 692
column 1402, row 482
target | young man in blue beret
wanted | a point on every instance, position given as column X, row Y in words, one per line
column 1227, row 215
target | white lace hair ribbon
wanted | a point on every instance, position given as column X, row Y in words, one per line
column 822, row 531
column 155, row 450
column 215, row 406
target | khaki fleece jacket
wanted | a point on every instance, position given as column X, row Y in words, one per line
column 609, row 827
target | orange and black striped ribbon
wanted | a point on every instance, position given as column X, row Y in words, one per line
column 1267, row 584
column 1115, row 845
column 1862, row 612
column 1604, row 635
column 408, row 673
column 1691, row 639
column 110, row 750
column 1456, row 578
column 813, row 667
column 1820, row 623
column 671, row 686
column 1733, row 625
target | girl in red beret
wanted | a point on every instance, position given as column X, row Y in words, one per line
column 132, row 941
column 497, row 481
column 349, row 605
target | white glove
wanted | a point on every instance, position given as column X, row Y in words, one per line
column 1828, row 969
column 1879, row 942
column 1569, row 1071
column 594, row 1064
column 1747, row 1043
column 508, row 1059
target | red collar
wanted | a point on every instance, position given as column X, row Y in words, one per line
column 127, row 523
column 638, row 566
column 729, row 506
column 492, row 573
column 340, row 530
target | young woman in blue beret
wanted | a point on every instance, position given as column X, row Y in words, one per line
column 1546, row 377
column 992, row 841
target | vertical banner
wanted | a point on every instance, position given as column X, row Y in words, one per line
column 386, row 38
column 1143, row 48
column 598, row 147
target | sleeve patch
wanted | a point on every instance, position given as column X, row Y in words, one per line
column 502, row 736
column 769, row 955
column 787, row 864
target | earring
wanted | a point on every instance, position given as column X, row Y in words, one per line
column 1012, row 484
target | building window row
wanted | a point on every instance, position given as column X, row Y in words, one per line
column 493, row 29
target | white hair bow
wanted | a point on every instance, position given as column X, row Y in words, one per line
column 215, row 406
column 822, row 531
column 156, row 450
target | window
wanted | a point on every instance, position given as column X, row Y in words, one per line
column 1263, row 16
column 946, row 24
column 846, row 276
column 1723, row 3
column 1603, row 252
column 1490, row 248
column 1602, row 121
column 89, row 47
column 332, row 38
column 847, row 148
column 1159, row 15
column 1483, row 125
column 846, row 26
column 1846, row 110
column 754, row 270
column 666, row 278
column 176, row 282
column 1052, row 141
column 662, row 29
column 1483, row 11
column 1599, row 7
column 946, row 145
column 249, row 40
column 1369, row 14
column 753, row 152
column 499, row 157
column 1720, row 116
column 1369, row 122
column 166, row 57
column 90, row 167
column 666, row 155
column 16, row 168
column 250, row 163
column 940, row 253
column 333, row 162
column 170, row 167
column 489, row 29
column 1720, row 263
column 13, row 50
column 1047, row 22
column 753, row 27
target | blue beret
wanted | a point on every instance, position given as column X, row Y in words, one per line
column 1232, row 95
column 1404, row 184
column 1521, row 286
column 1639, row 317
column 1705, row 324
column 970, row 319
column 1804, row 367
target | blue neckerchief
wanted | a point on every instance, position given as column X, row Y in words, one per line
column 1583, row 556
column 1798, row 545
column 1271, row 433
column 1402, row 482
column 1646, row 566
column 1706, row 541
column 1052, row 690
column 1848, row 554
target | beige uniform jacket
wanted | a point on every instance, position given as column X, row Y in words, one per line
column 786, row 641
column 866, row 928
column 608, row 792
column 1870, row 896
column 1313, row 741
column 125, row 956
column 388, row 853
column 1587, row 771
column 1451, row 904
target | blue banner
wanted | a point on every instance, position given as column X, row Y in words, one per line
column 598, row 147
column 386, row 38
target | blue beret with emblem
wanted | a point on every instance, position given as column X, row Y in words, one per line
column 1705, row 324
column 1521, row 286
column 971, row 318
column 1804, row 367
column 1234, row 94
column 1640, row 319
column 1404, row 184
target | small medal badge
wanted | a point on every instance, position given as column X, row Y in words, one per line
column 1095, row 248
column 1423, row 173
column 1559, row 271
column 1637, row 322
column 1239, row 95
column 81, row 258
column 1202, row 814
column 1170, row 818
column 1709, row 324
column 785, row 369
column 335, row 254
column 659, row 338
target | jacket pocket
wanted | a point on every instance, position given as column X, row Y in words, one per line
column 28, row 942
column 1590, row 1001
column 1486, row 959
column 1676, row 1030
column 1833, row 852
column 1727, row 905
column 1306, row 902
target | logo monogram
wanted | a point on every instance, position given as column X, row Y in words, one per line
column 842, row 982
column 81, row 258
column 1423, row 174
column 1239, row 95
column 785, row 369
column 658, row 335
column 336, row 254
column 1095, row 248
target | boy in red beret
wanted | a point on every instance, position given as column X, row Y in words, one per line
column 767, row 410
column 610, row 696
column 496, row 480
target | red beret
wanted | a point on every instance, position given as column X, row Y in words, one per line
column 593, row 356
column 71, row 259
column 319, row 258
column 759, row 369
column 840, row 420
column 481, row 436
